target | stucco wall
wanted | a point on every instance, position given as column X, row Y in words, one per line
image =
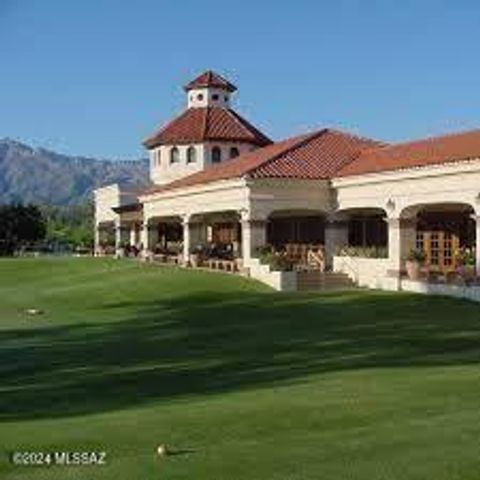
column 106, row 198
column 162, row 171
column 280, row 281
column 204, row 97
column 112, row 196
column 227, row 195
column 395, row 191
column 274, row 195
column 366, row 272
column 457, row 291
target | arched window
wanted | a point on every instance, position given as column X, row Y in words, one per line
column 234, row 152
column 216, row 155
column 174, row 155
column 191, row 155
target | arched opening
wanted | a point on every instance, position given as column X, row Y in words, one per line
column 298, row 238
column 234, row 152
column 367, row 228
column 217, row 235
column 216, row 155
column 174, row 155
column 191, row 155
column 299, row 227
column 445, row 233
column 361, row 232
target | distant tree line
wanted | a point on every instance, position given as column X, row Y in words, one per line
column 45, row 228
column 20, row 225
column 70, row 226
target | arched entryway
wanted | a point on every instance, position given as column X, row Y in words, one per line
column 445, row 233
column 296, row 227
column 361, row 232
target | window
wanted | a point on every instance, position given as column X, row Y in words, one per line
column 226, row 98
column 234, row 152
column 200, row 96
column 159, row 158
column 216, row 155
column 174, row 155
column 191, row 155
column 215, row 97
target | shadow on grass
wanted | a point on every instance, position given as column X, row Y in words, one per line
column 199, row 345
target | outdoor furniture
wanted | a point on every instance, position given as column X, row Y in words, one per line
column 221, row 264
column 305, row 256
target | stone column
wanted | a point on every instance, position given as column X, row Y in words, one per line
column 408, row 237
column 186, row 239
column 147, row 239
column 336, row 237
column 96, row 241
column 118, row 239
column 395, row 249
column 254, row 235
column 144, row 237
column 133, row 234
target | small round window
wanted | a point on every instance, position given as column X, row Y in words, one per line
column 200, row 96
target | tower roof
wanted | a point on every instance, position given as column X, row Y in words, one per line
column 210, row 79
column 197, row 125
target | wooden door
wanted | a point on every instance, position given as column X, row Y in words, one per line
column 439, row 247
column 224, row 233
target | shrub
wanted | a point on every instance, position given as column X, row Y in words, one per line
column 364, row 252
column 416, row 255
column 276, row 260
column 466, row 256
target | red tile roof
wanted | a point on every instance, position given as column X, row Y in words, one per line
column 210, row 79
column 317, row 155
column 197, row 125
column 320, row 157
column 430, row 151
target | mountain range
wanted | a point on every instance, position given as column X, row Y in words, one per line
column 37, row 175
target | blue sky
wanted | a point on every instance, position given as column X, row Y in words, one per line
column 94, row 77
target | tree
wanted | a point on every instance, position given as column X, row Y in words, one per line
column 20, row 225
column 71, row 226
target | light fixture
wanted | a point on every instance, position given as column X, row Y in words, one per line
column 390, row 204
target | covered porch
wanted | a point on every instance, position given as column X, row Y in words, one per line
column 211, row 239
column 231, row 224
column 442, row 238
column 431, row 243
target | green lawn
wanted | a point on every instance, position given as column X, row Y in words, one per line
column 242, row 383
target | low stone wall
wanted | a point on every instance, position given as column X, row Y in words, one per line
column 281, row 281
column 374, row 273
column 366, row 272
column 457, row 291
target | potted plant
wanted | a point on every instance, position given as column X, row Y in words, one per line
column 415, row 260
column 466, row 264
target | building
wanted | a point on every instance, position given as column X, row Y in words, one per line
column 218, row 180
